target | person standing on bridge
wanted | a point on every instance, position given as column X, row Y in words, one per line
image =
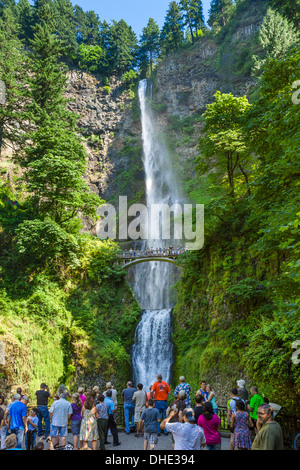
column 162, row 391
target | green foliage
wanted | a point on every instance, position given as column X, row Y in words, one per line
column 241, row 292
column 172, row 33
column 223, row 146
column 91, row 58
column 276, row 37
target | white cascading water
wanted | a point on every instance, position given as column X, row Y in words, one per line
column 152, row 351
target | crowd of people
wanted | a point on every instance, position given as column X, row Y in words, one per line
column 169, row 251
column 152, row 413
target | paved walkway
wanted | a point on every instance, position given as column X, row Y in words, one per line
column 130, row 442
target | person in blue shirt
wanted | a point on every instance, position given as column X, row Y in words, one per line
column 202, row 390
column 32, row 423
column 129, row 406
column 111, row 424
column 17, row 419
column 183, row 385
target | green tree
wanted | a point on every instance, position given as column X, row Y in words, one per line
column 122, row 48
column 91, row 58
column 25, row 20
column 289, row 8
column 65, row 24
column 186, row 9
column 47, row 73
column 55, row 165
column 13, row 75
column 149, row 42
column 276, row 36
column 220, row 12
column 172, row 33
column 223, row 149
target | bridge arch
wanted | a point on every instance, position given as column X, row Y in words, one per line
column 128, row 262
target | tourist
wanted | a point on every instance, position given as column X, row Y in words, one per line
column 41, row 446
column 162, row 391
column 150, row 418
column 198, row 408
column 17, row 419
column 187, row 389
column 88, row 428
column 129, row 406
column 76, row 418
column 15, row 397
column 139, row 398
column 19, row 392
column 82, row 396
column 32, row 426
column 148, row 395
column 60, row 412
column 42, row 397
column 177, row 405
column 242, row 392
column 211, row 425
column 102, row 420
column 255, row 401
column 202, row 391
column 240, row 424
column 269, row 435
column 231, row 408
column 114, row 394
column 96, row 391
column 3, row 426
column 212, row 398
column 111, row 424
column 187, row 435
column 63, row 389
column 10, row 443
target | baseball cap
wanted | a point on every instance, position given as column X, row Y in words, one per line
column 188, row 412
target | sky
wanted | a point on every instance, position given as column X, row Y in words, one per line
column 136, row 13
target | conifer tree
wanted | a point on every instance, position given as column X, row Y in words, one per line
column 149, row 42
column 122, row 48
column 172, row 35
column 25, row 19
column 47, row 74
column 13, row 76
column 220, row 12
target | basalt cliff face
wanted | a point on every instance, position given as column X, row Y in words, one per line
column 183, row 84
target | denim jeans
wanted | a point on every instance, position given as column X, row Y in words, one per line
column 43, row 413
column 127, row 410
column 161, row 406
column 3, row 434
column 19, row 434
column 213, row 446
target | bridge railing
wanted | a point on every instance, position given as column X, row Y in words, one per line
column 151, row 254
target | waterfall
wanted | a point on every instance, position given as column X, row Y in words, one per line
column 152, row 351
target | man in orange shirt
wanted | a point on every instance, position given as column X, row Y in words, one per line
column 161, row 390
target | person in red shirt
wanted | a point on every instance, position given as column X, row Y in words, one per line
column 161, row 390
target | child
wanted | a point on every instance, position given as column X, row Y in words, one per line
column 32, row 423
column 150, row 417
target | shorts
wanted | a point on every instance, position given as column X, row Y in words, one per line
column 75, row 426
column 61, row 431
column 138, row 414
column 151, row 437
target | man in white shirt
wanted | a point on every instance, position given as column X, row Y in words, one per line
column 187, row 435
column 60, row 412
